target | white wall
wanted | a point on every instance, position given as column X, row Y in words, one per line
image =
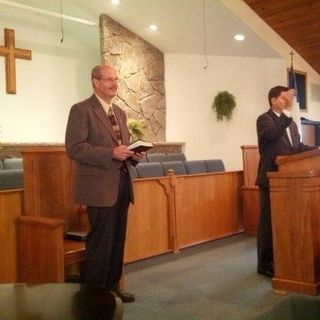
column 244, row 12
column 190, row 91
column 55, row 78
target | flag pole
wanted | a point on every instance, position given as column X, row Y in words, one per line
column 292, row 54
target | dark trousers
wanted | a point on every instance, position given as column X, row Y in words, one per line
column 264, row 238
column 106, row 239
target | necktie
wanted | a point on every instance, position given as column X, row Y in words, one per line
column 115, row 125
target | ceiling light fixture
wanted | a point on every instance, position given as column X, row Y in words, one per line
column 239, row 37
column 153, row 27
column 116, row 2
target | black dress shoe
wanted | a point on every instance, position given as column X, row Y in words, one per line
column 124, row 296
column 267, row 272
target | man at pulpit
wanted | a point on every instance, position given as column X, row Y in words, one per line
column 96, row 139
column 277, row 135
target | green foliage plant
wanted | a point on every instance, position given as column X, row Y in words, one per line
column 136, row 129
column 223, row 105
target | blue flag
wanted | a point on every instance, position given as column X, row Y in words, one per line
column 293, row 81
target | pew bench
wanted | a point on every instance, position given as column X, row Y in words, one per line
column 42, row 245
column 170, row 213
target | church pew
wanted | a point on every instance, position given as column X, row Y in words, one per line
column 169, row 213
column 41, row 253
column 49, row 212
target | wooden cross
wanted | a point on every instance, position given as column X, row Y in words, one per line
column 10, row 53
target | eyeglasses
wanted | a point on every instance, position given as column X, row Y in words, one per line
column 108, row 79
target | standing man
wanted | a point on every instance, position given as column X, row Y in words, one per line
column 277, row 135
column 96, row 139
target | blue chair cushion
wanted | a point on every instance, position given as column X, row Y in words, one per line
column 12, row 163
column 11, row 179
column 148, row 170
column 214, row 165
column 156, row 157
column 195, row 166
column 177, row 167
column 176, row 156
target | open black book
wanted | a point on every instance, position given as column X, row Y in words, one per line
column 140, row 146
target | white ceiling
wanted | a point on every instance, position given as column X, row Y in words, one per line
column 180, row 23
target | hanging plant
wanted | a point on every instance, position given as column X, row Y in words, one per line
column 223, row 105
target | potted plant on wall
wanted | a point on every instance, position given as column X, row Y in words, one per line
column 223, row 105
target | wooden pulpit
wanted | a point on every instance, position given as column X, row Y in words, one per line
column 295, row 207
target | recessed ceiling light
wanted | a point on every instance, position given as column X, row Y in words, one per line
column 239, row 37
column 153, row 27
column 116, row 2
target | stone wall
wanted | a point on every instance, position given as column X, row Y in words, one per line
column 141, row 73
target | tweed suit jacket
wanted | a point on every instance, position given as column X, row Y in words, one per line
column 90, row 140
column 273, row 141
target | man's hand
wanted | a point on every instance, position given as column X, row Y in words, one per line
column 122, row 153
column 288, row 95
column 138, row 156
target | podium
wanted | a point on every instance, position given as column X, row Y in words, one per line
column 295, row 209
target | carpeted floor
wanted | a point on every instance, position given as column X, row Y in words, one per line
column 216, row 280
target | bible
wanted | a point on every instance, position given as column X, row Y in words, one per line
column 77, row 235
column 140, row 146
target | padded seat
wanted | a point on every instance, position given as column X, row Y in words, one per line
column 134, row 173
column 195, row 166
column 177, row 167
column 12, row 163
column 156, row 157
column 176, row 156
column 11, row 179
column 149, row 170
column 214, row 165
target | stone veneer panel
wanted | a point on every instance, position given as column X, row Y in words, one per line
column 141, row 72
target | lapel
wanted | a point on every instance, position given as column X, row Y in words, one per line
column 285, row 136
column 101, row 114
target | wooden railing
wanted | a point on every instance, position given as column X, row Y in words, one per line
column 170, row 213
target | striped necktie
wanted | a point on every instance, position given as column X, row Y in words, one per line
column 115, row 125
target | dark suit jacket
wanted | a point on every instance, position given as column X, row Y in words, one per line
column 90, row 140
column 273, row 141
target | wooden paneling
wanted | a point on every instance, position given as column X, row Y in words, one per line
column 250, row 192
column 295, row 207
column 296, row 21
column 149, row 226
column 251, row 209
column 41, row 255
column 208, row 206
column 305, row 161
column 169, row 213
column 296, row 231
column 11, row 202
column 48, row 184
column 250, row 159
